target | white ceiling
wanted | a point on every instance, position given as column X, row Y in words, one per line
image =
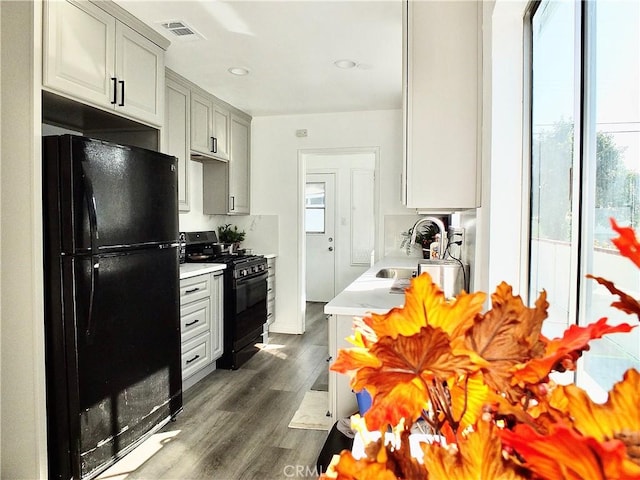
column 289, row 48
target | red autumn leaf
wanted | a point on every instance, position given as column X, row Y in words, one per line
column 627, row 303
column 562, row 353
column 627, row 242
column 565, row 454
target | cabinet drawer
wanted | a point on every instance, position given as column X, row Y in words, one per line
column 194, row 319
column 196, row 354
column 196, row 288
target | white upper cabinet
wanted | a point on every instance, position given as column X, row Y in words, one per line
column 140, row 74
column 226, row 184
column 79, row 42
column 209, row 127
column 176, row 135
column 442, row 101
column 92, row 57
column 239, row 165
column 221, row 131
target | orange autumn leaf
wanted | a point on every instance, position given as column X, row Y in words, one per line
column 349, row 468
column 407, row 366
column 565, row 454
column 618, row 418
column 627, row 243
column 562, row 353
column 468, row 398
column 350, row 359
column 506, row 335
column 627, row 303
column 425, row 305
column 478, row 456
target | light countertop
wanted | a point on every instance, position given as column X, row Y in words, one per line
column 369, row 294
column 188, row 270
column 269, row 255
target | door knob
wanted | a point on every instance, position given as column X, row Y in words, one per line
column 331, row 249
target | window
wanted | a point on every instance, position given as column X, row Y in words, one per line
column 585, row 168
column 314, row 203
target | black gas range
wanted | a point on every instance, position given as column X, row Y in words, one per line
column 245, row 295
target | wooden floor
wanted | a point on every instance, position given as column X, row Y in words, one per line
column 235, row 423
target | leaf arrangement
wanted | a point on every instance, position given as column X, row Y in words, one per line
column 480, row 381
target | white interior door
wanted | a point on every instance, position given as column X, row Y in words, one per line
column 320, row 235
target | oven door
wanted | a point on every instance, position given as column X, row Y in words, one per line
column 250, row 309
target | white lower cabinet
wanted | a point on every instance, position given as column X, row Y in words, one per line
column 201, row 307
column 342, row 400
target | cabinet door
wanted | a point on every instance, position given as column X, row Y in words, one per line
column 221, row 132
column 79, row 42
column 140, row 76
column 201, row 127
column 442, row 48
column 176, row 131
column 217, row 312
column 239, row 165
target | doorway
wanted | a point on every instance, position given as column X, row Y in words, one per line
column 339, row 218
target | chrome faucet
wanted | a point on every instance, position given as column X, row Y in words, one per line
column 439, row 224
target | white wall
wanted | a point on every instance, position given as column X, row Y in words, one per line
column 275, row 188
column 23, row 440
column 500, row 239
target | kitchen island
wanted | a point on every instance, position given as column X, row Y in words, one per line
column 365, row 295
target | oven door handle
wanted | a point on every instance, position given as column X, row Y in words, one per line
column 251, row 280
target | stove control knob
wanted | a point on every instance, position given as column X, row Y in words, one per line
column 243, row 272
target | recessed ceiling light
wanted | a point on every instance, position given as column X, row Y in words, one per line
column 344, row 63
column 240, row 71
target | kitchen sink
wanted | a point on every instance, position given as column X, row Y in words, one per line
column 396, row 272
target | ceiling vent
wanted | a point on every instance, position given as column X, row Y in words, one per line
column 180, row 29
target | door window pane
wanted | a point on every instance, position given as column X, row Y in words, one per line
column 314, row 201
column 552, row 159
column 613, row 155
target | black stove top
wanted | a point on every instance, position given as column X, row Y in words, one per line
column 203, row 247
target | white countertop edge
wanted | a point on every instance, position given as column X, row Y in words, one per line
column 269, row 255
column 188, row 270
column 368, row 294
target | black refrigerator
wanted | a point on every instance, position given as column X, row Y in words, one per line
column 112, row 326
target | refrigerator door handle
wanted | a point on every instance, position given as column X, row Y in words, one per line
column 95, row 265
column 91, row 207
